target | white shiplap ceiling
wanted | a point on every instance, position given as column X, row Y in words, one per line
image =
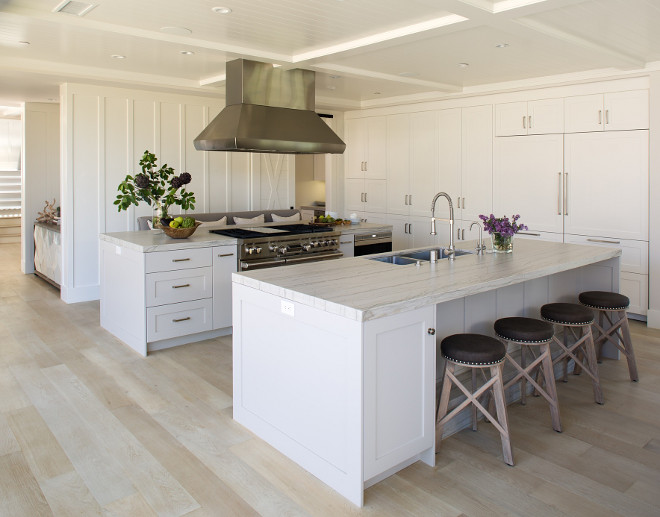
column 364, row 51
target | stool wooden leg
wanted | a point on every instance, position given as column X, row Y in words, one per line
column 523, row 381
column 601, row 323
column 473, row 407
column 627, row 344
column 565, row 337
column 550, row 387
column 500, row 406
column 443, row 404
column 592, row 362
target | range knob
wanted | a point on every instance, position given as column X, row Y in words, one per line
column 306, row 247
column 253, row 249
column 273, row 247
column 283, row 250
column 258, row 249
column 315, row 244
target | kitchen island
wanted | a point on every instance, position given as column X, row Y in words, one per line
column 335, row 364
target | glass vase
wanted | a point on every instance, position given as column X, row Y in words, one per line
column 159, row 212
column 501, row 243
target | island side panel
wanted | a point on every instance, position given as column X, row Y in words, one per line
column 298, row 384
column 122, row 293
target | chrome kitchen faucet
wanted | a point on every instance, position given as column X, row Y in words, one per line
column 451, row 249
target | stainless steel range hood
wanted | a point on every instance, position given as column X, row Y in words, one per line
column 269, row 111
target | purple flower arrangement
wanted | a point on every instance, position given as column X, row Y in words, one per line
column 503, row 225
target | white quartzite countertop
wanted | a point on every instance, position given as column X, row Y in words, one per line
column 362, row 289
column 148, row 241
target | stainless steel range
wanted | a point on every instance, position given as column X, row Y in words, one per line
column 272, row 246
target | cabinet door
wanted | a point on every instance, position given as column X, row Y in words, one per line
column 225, row 262
column 376, row 166
column 477, row 161
column 626, row 110
column 354, row 194
column 511, row 119
column 545, row 116
column 583, row 113
column 420, row 230
column 423, row 162
column 607, row 178
column 399, row 389
column 401, row 238
column 347, row 244
column 527, row 180
column 449, row 161
column 356, row 144
column 398, row 164
column 375, row 193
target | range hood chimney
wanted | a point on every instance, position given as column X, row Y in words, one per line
column 269, row 111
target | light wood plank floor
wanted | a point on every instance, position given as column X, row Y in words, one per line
column 87, row 427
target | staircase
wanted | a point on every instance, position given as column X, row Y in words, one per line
column 10, row 206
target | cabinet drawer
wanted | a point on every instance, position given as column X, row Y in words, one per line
column 179, row 319
column 178, row 259
column 179, row 286
column 634, row 254
column 539, row 236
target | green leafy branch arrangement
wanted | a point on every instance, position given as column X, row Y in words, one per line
column 157, row 186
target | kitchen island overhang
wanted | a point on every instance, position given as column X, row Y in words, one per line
column 347, row 358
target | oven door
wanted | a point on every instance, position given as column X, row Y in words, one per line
column 366, row 244
column 251, row 265
column 302, row 259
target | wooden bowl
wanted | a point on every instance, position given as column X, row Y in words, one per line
column 180, row 233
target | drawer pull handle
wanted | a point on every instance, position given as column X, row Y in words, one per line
column 180, row 286
column 530, row 233
column 180, row 260
column 345, row 242
column 226, row 255
column 604, row 241
column 181, row 319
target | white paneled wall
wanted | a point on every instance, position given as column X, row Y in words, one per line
column 41, row 170
column 105, row 133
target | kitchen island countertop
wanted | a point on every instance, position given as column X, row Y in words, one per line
column 362, row 289
column 148, row 241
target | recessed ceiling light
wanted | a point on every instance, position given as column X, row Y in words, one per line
column 502, row 45
column 376, row 93
column 117, row 56
column 179, row 31
column 186, row 52
column 409, row 74
column 221, row 10
column 463, row 65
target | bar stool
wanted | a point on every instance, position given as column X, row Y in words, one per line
column 612, row 307
column 572, row 316
column 474, row 351
column 531, row 333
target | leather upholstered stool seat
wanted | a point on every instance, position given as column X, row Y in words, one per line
column 531, row 334
column 474, row 351
column 611, row 307
column 571, row 317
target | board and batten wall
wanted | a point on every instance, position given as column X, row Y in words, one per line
column 105, row 132
column 41, row 170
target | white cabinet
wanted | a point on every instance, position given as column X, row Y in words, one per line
column 399, row 389
column 415, row 232
column 412, row 166
column 225, row 262
column 347, row 245
column 606, row 177
column 476, row 162
column 529, row 117
column 634, row 265
column 365, row 148
column 527, row 180
column 366, row 195
column 607, row 112
column 449, row 161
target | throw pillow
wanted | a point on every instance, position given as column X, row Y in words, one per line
column 280, row 218
column 220, row 222
column 258, row 219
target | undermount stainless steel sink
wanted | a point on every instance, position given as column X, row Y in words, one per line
column 395, row 259
column 405, row 259
column 442, row 254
